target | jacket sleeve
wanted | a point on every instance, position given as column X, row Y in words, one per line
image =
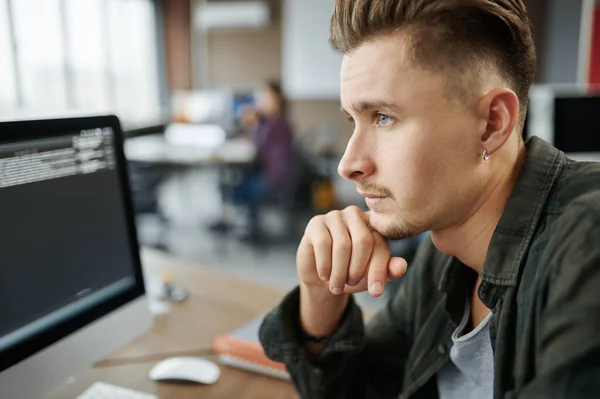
column 568, row 343
column 358, row 361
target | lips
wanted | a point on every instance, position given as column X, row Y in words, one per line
column 372, row 196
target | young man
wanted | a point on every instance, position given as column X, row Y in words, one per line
column 503, row 299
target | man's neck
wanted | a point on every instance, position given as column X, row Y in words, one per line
column 469, row 241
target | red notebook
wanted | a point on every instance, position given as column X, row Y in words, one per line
column 242, row 349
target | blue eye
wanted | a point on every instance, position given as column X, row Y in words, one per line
column 383, row 120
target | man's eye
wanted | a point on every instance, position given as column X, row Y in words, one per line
column 383, row 119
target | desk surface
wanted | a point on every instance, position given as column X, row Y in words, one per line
column 155, row 148
column 217, row 304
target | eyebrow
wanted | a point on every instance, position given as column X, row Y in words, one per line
column 362, row 106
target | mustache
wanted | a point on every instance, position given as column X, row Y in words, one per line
column 375, row 189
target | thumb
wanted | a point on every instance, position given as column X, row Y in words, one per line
column 396, row 268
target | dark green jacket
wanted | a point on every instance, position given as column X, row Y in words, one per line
column 541, row 279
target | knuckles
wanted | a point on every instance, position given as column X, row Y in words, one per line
column 342, row 244
column 363, row 240
column 353, row 210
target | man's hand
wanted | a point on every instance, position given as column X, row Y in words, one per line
column 340, row 253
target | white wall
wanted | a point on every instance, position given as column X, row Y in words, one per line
column 311, row 67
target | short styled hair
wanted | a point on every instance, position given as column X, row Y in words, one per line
column 451, row 36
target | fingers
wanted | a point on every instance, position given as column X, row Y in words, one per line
column 321, row 243
column 341, row 252
column 396, row 268
column 362, row 246
column 305, row 255
column 378, row 265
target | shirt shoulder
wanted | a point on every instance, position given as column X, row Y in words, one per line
column 567, row 250
column 576, row 228
column 573, row 210
column 578, row 181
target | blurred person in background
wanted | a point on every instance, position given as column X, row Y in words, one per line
column 272, row 136
column 501, row 300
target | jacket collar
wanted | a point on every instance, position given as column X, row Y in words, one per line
column 513, row 235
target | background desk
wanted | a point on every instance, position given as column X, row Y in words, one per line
column 155, row 148
column 154, row 159
column 217, row 304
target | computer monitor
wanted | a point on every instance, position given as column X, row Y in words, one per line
column 240, row 102
column 567, row 118
column 576, row 124
column 71, row 286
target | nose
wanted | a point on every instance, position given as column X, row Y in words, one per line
column 356, row 163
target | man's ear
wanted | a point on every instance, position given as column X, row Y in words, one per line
column 500, row 110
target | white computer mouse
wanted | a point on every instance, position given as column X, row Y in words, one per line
column 192, row 369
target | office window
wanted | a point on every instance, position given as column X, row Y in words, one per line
column 40, row 56
column 134, row 64
column 95, row 56
column 87, row 54
column 8, row 97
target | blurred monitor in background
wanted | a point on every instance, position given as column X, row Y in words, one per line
column 222, row 106
column 241, row 102
column 577, row 124
column 71, row 274
column 202, row 106
column 242, row 111
column 566, row 117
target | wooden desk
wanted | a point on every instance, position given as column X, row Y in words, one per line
column 233, row 384
column 217, row 304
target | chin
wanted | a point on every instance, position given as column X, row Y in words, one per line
column 392, row 228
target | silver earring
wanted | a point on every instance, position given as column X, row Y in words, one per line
column 485, row 155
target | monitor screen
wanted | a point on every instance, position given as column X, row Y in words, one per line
column 576, row 124
column 67, row 245
column 241, row 102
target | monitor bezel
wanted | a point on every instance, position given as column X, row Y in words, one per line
column 16, row 131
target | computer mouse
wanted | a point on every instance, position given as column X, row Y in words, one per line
column 192, row 369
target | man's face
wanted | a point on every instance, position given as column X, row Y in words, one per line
column 413, row 151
